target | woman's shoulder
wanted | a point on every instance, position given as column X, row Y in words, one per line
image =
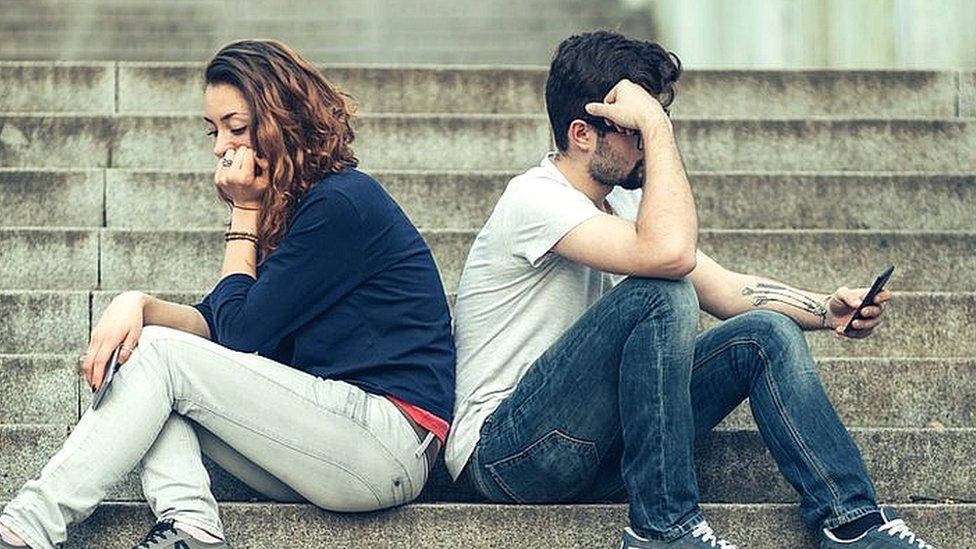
column 351, row 183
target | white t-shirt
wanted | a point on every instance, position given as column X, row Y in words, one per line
column 516, row 297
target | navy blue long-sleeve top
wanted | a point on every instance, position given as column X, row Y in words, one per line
column 352, row 293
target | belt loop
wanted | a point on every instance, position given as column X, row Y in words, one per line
column 423, row 447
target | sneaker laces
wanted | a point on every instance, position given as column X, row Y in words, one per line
column 159, row 530
column 705, row 532
column 898, row 528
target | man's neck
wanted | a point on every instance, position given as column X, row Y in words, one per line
column 574, row 170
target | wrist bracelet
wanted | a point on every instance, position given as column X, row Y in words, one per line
column 230, row 238
column 237, row 235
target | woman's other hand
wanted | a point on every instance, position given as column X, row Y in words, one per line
column 121, row 323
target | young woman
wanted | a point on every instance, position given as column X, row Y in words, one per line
column 319, row 368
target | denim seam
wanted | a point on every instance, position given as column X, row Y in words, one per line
column 475, row 475
column 848, row 516
column 801, row 444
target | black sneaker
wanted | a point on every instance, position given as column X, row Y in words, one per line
column 893, row 534
column 166, row 536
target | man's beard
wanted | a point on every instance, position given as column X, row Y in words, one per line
column 605, row 169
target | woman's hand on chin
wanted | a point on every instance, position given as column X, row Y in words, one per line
column 236, row 178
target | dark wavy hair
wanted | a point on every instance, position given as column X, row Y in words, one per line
column 300, row 123
column 586, row 66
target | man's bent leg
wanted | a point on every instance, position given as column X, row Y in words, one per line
column 623, row 367
column 764, row 356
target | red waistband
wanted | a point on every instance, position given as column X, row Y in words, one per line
column 424, row 418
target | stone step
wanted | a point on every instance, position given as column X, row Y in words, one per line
column 432, row 525
column 68, row 259
column 733, row 466
column 505, row 142
column 146, row 87
column 918, row 324
column 120, row 198
column 915, row 392
column 154, row 88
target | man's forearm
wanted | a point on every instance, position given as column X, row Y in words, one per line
column 667, row 213
column 807, row 309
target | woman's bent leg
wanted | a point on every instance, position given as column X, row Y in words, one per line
column 336, row 445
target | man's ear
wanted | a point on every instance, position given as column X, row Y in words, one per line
column 581, row 136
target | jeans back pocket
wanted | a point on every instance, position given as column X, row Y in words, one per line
column 552, row 469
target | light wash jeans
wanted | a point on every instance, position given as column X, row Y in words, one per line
column 287, row 434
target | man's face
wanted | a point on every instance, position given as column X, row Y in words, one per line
column 617, row 161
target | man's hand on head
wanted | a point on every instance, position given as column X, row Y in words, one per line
column 630, row 106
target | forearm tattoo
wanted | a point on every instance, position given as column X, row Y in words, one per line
column 763, row 293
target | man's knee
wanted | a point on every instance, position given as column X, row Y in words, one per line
column 676, row 298
column 780, row 340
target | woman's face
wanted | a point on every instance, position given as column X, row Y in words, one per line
column 227, row 117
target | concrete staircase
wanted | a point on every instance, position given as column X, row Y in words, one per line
column 816, row 178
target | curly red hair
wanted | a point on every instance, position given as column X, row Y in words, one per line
column 301, row 124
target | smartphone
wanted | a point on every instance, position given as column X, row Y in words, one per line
column 113, row 365
column 876, row 288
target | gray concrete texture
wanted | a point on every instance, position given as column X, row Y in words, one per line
column 177, row 87
column 505, row 142
column 732, row 465
column 463, row 200
column 44, row 322
column 71, row 198
column 134, row 199
column 767, row 526
column 66, row 259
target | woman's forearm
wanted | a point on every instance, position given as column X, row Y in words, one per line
column 240, row 256
column 173, row 315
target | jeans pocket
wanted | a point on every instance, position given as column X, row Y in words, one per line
column 341, row 398
column 551, row 469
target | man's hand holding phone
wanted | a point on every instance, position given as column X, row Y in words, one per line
column 855, row 313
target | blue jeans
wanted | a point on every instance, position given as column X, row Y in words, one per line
column 616, row 404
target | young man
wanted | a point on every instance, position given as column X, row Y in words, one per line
column 573, row 387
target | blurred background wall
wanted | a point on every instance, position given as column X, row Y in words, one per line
column 705, row 33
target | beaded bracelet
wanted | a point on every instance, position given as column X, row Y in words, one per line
column 230, row 238
column 237, row 235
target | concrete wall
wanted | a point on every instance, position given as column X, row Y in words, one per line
column 844, row 34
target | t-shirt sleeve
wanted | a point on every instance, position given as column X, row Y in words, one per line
column 540, row 212
column 318, row 261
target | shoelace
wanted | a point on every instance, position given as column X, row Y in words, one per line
column 705, row 532
column 898, row 528
column 160, row 530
